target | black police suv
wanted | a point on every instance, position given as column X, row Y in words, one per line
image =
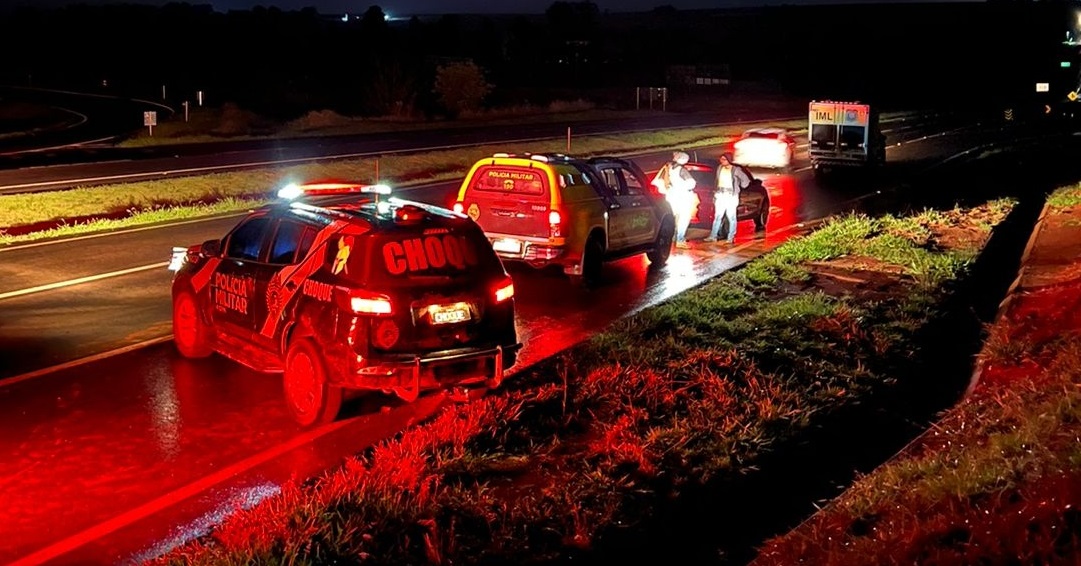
column 339, row 287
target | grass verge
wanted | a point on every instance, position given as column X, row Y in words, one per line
column 603, row 451
column 231, row 123
column 33, row 216
column 998, row 480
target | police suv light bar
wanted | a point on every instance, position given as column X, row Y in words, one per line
column 294, row 190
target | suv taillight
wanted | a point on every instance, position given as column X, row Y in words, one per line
column 365, row 302
column 504, row 289
column 555, row 224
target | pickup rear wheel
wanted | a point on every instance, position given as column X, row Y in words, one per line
column 309, row 396
column 190, row 332
column 662, row 248
column 592, row 262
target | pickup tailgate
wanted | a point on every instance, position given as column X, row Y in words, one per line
column 510, row 200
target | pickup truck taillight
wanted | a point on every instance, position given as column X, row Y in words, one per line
column 555, row 224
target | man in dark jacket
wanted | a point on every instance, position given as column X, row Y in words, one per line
column 731, row 179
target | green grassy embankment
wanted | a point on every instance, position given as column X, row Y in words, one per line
column 998, row 480
column 231, row 123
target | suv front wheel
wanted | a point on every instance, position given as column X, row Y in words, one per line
column 308, row 394
column 190, row 332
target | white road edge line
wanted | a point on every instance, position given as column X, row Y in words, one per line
column 81, row 280
column 179, row 494
column 83, row 361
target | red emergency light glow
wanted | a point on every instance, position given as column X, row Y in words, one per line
column 294, row 190
column 504, row 290
column 409, row 213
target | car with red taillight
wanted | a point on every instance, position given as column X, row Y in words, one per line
column 342, row 288
column 764, row 147
column 575, row 213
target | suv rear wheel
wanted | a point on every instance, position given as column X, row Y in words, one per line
column 662, row 248
column 190, row 332
column 308, row 395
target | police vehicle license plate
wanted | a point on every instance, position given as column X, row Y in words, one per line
column 449, row 314
column 508, row 245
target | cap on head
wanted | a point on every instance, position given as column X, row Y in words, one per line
column 680, row 157
column 727, row 156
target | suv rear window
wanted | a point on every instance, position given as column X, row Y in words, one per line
column 511, row 180
column 401, row 255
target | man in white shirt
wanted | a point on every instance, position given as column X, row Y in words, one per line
column 731, row 179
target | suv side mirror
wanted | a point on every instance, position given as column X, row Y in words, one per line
column 211, row 248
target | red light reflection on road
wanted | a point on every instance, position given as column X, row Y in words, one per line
column 785, row 200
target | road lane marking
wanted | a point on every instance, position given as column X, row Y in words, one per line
column 158, row 505
column 404, row 416
column 81, row 280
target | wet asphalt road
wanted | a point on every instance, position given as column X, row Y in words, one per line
column 121, row 455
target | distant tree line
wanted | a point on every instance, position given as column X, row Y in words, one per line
column 284, row 63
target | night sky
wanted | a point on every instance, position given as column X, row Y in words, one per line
column 405, row 8
column 409, row 7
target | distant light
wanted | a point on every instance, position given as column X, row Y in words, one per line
column 1064, row 64
column 378, row 189
column 345, row 17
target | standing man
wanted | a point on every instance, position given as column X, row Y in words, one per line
column 731, row 179
column 677, row 186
